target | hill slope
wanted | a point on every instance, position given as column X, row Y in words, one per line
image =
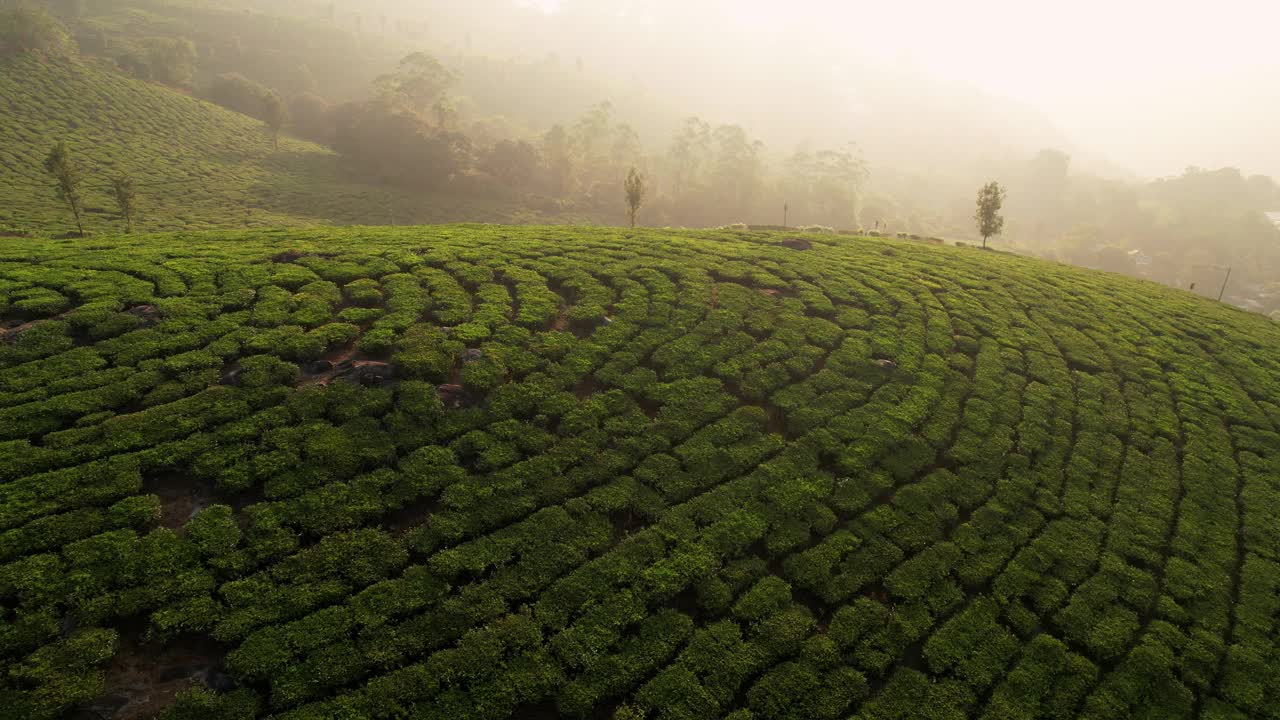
column 196, row 165
column 496, row 472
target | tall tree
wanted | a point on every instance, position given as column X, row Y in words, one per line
column 990, row 201
column 172, row 60
column 126, row 198
column 1046, row 182
column 636, row 192
column 826, row 185
column 738, row 169
column 417, row 83
column 312, row 117
column 274, row 114
column 626, row 150
column 588, row 138
column 511, row 162
column 557, row 157
column 62, row 166
column 689, row 154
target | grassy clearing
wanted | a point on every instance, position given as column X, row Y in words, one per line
column 483, row 471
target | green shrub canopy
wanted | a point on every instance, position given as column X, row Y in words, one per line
column 486, row 472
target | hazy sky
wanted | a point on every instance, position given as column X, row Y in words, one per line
column 1152, row 86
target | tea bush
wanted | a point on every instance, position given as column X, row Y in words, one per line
column 482, row 472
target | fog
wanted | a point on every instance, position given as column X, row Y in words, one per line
column 1130, row 135
column 1149, row 87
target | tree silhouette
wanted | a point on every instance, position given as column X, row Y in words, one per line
column 636, row 191
column 274, row 115
column 126, row 198
column 419, row 80
column 990, row 201
column 66, row 174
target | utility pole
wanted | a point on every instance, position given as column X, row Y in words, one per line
column 1223, row 291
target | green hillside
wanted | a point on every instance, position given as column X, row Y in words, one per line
column 488, row 472
column 196, row 165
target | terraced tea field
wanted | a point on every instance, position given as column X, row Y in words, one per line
column 195, row 165
column 484, row 472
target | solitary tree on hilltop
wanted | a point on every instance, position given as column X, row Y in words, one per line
column 66, row 174
column 990, row 201
column 636, row 191
column 126, row 198
column 274, row 115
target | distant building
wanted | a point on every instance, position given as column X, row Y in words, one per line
column 1140, row 259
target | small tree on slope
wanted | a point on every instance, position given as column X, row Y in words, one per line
column 274, row 114
column 990, row 201
column 636, row 192
column 126, row 198
column 66, row 174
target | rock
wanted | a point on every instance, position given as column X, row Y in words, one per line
column 149, row 314
column 370, row 373
column 797, row 244
column 371, row 378
column 454, row 396
column 219, row 681
column 107, row 706
column 231, row 377
column 287, row 256
column 887, row 364
column 472, row 355
column 177, row 672
column 595, row 323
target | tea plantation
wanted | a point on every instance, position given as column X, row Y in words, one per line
column 195, row 165
column 485, row 472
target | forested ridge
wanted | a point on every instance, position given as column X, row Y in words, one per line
column 479, row 471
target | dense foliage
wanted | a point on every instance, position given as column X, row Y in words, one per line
column 484, row 472
column 29, row 29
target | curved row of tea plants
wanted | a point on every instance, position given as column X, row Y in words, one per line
column 484, row 472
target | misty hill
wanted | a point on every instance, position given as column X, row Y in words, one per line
column 482, row 471
column 531, row 118
column 195, row 165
